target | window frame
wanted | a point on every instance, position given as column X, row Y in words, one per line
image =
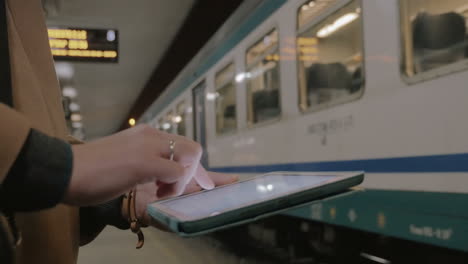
column 154, row 123
column 333, row 9
column 436, row 73
column 184, row 116
column 164, row 118
column 223, row 85
column 274, row 27
column 159, row 119
column 169, row 118
column 220, row 69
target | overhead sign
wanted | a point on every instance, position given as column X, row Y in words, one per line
column 79, row 44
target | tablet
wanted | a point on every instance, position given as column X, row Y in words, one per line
column 248, row 200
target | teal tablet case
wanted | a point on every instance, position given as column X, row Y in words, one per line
column 261, row 210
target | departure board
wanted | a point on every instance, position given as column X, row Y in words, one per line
column 81, row 44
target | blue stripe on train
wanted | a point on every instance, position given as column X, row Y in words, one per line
column 435, row 163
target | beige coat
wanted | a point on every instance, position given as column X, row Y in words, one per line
column 50, row 236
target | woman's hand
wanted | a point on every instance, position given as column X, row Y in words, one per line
column 109, row 167
column 148, row 193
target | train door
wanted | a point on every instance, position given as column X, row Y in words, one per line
column 199, row 123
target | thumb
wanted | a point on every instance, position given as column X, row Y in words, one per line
column 203, row 179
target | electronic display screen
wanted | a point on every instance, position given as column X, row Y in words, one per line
column 219, row 200
column 81, row 44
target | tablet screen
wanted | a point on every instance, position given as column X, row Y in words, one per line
column 241, row 194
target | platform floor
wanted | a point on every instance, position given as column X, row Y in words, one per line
column 118, row 247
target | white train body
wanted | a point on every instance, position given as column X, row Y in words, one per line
column 394, row 118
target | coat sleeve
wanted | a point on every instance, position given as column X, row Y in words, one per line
column 94, row 219
column 14, row 130
column 40, row 175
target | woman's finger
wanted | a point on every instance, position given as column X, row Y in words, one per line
column 179, row 187
column 192, row 187
column 185, row 152
column 182, row 183
column 202, row 178
column 222, row 178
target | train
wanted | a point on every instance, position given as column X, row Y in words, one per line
column 340, row 85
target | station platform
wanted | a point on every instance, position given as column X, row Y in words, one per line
column 118, row 247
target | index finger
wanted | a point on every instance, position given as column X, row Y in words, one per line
column 203, row 179
column 222, row 178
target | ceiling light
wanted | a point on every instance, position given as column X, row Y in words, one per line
column 211, row 96
column 69, row 91
column 77, row 124
column 131, row 121
column 240, row 77
column 110, row 35
column 74, row 107
column 64, row 70
column 166, row 126
column 76, row 117
column 339, row 23
column 177, row 119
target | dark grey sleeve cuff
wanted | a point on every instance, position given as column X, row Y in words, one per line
column 40, row 175
column 93, row 219
column 109, row 213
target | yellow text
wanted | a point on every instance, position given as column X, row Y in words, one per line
column 68, row 34
column 85, row 53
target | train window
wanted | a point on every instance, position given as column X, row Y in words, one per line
column 311, row 9
column 165, row 123
column 154, row 123
column 263, row 80
column 179, row 119
column 169, row 120
column 330, row 59
column 161, row 124
column 225, row 100
column 434, row 35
